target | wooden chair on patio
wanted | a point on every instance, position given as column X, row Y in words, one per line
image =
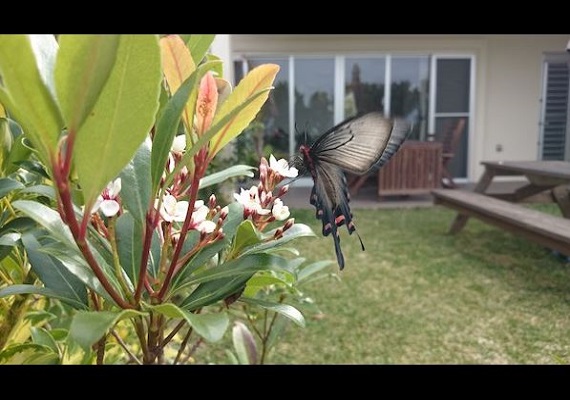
column 450, row 138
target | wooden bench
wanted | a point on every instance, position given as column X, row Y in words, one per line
column 548, row 230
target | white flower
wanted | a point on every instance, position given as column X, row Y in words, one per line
column 107, row 200
column 279, row 211
column 199, row 221
column 178, row 144
column 282, row 168
column 250, row 200
column 173, row 210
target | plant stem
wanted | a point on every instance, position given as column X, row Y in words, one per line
column 183, row 345
column 198, row 173
column 172, row 334
column 101, row 350
column 150, row 222
column 61, row 177
column 132, row 356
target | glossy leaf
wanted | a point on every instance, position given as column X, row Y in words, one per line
column 25, row 94
column 258, row 79
column 53, row 274
column 228, row 279
column 136, row 183
column 199, row 46
column 88, row 327
column 312, row 269
column 7, row 185
column 10, row 239
column 166, row 128
column 29, row 354
column 44, row 337
column 296, row 231
column 129, row 244
column 84, row 63
column 77, row 265
column 122, row 115
column 221, row 176
column 246, row 236
column 18, row 153
column 49, row 219
column 244, row 344
column 210, row 326
column 284, row 309
column 42, row 291
column 46, row 48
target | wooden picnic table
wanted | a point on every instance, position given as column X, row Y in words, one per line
column 499, row 210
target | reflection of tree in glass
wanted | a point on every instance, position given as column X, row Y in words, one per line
column 367, row 97
column 315, row 118
column 405, row 104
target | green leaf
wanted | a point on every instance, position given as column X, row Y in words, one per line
column 45, row 48
column 167, row 126
column 210, row 326
column 199, row 46
column 7, row 185
column 77, row 265
column 228, row 279
column 296, row 231
column 41, row 190
column 259, row 281
column 247, row 235
column 88, row 327
column 217, row 177
column 136, row 183
column 122, row 115
column 47, row 218
column 18, row 153
column 10, row 239
column 84, row 63
column 43, row 337
column 244, row 344
column 29, row 354
column 311, row 269
column 14, row 290
column 284, row 309
column 53, row 274
column 129, row 244
column 25, row 93
column 258, row 79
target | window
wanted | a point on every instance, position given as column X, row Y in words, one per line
column 431, row 92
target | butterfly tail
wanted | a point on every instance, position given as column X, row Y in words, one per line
column 338, row 250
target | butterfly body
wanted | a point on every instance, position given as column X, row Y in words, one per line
column 356, row 145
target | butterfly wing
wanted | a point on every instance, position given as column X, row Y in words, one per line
column 362, row 143
column 330, row 198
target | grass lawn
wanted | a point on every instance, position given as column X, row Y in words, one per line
column 418, row 295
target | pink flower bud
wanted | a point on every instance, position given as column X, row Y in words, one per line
column 206, row 103
column 212, row 201
column 283, row 190
column 290, row 222
column 278, row 233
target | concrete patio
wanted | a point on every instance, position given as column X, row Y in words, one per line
column 298, row 196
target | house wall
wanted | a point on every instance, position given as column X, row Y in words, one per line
column 508, row 79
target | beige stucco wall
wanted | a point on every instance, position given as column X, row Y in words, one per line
column 508, row 78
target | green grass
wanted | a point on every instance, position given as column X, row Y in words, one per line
column 420, row 296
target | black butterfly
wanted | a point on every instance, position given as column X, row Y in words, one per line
column 357, row 145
